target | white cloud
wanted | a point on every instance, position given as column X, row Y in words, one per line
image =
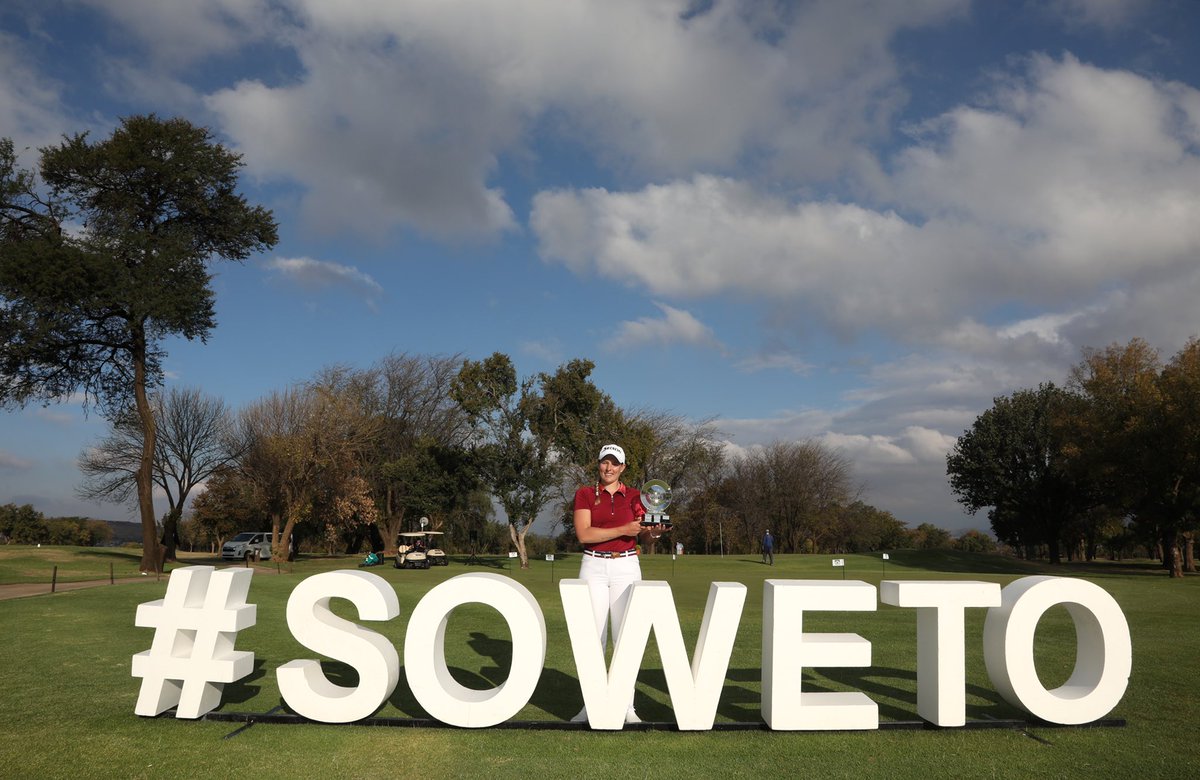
column 1111, row 15
column 32, row 113
column 1063, row 188
column 786, row 425
column 775, row 361
column 676, row 326
column 58, row 418
column 177, row 33
column 902, row 472
column 402, row 112
column 126, row 79
column 1088, row 174
column 546, row 350
column 868, row 449
column 375, row 148
column 10, row 462
column 320, row 274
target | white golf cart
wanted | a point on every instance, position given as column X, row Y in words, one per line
column 410, row 551
column 434, row 552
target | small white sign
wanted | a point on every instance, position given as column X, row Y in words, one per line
column 839, row 561
column 550, row 557
column 887, row 557
column 512, row 555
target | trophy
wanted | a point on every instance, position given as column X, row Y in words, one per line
column 656, row 495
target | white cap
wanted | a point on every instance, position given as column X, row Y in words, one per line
column 614, row 450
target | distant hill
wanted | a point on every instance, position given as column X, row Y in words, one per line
column 125, row 532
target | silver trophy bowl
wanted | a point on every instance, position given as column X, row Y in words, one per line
column 656, row 497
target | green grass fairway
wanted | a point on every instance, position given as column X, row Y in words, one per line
column 67, row 704
column 20, row 563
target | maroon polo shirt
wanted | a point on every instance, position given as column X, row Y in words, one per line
column 611, row 510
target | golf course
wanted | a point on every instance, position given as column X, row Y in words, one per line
column 67, row 706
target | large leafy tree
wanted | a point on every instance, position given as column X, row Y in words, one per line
column 860, row 527
column 515, row 463
column 1014, row 460
column 422, row 432
column 22, row 525
column 577, row 418
column 107, row 258
column 229, row 504
column 304, row 450
column 574, row 415
column 1140, row 434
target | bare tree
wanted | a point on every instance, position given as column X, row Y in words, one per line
column 794, row 488
column 192, row 442
column 684, row 454
column 409, row 395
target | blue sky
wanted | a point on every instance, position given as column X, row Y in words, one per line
column 856, row 221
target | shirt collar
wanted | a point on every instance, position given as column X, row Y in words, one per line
column 621, row 488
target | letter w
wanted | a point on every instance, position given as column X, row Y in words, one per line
column 695, row 688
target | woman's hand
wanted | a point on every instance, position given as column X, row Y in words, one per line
column 632, row 528
column 586, row 533
column 655, row 531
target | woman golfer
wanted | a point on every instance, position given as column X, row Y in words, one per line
column 607, row 522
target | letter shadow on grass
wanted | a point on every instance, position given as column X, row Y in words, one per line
column 243, row 690
column 899, row 701
column 345, row 676
column 556, row 692
column 896, row 700
column 738, row 703
column 486, row 561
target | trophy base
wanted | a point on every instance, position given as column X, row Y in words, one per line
column 656, row 520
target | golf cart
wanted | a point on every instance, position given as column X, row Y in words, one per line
column 435, row 554
column 410, row 551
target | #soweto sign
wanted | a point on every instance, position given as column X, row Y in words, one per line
column 192, row 654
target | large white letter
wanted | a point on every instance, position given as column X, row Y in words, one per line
column 302, row 684
column 1103, row 652
column 941, row 631
column 192, row 655
column 425, row 651
column 695, row 687
column 604, row 697
column 787, row 649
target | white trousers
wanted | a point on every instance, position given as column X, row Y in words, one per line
column 608, row 581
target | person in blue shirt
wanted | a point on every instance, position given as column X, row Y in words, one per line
column 768, row 548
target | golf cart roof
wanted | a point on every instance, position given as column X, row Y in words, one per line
column 413, row 533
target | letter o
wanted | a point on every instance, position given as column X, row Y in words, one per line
column 425, row 651
column 1103, row 653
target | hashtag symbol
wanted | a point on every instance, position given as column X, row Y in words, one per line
column 195, row 626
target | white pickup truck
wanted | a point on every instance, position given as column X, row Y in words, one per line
column 248, row 544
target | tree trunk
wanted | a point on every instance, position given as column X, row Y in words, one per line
column 170, row 537
column 1055, row 552
column 1171, row 559
column 390, row 527
column 275, row 532
column 152, row 559
column 281, row 547
column 518, row 538
column 1189, row 556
